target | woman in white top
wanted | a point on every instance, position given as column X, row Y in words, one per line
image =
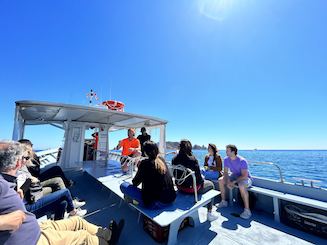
column 212, row 163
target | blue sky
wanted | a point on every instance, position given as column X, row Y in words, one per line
column 251, row 72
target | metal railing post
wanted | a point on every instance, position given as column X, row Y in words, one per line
column 194, row 185
column 271, row 163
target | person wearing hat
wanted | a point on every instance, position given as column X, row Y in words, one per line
column 131, row 147
column 143, row 137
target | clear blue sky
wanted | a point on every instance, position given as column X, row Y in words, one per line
column 251, row 72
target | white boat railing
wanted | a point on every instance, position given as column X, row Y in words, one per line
column 48, row 156
column 127, row 161
column 303, row 181
column 281, row 177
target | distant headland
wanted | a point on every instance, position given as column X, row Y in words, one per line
column 170, row 145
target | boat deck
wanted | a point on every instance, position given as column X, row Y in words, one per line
column 103, row 205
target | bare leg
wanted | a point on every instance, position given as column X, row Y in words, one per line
column 221, row 182
column 207, row 186
column 245, row 196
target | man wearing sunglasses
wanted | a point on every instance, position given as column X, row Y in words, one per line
column 18, row 226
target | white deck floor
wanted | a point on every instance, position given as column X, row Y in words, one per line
column 103, row 205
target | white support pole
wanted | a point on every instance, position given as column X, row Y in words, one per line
column 276, row 209
column 103, row 144
column 72, row 154
column 19, row 126
column 64, row 150
column 162, row 141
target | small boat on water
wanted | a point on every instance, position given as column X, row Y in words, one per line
column 284, row 213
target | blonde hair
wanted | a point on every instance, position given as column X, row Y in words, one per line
column 28, row 152
column 152, row 152
column 160, row 165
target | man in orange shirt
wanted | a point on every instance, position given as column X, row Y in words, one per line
column 131, row 146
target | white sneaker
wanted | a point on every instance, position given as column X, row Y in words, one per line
column 246, row 214
column 79, row 212
column 78, row 204
column 211, row 216
column 222, row 204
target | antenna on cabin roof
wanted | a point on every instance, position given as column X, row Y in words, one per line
column 91, row 96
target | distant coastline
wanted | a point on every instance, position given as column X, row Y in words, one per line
column 171, row 145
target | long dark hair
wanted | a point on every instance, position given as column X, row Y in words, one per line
column 185, row 147
column 152, row 152
column 214, row 149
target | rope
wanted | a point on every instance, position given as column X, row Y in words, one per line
column 186, row 173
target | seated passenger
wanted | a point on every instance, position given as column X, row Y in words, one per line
column 186, row 158
column 157, row 184
column 18, row 226
column 12, row 158
column 131, row 147
column 240, row 177
column 49, row 185
column 35, row 168
column 212, row 164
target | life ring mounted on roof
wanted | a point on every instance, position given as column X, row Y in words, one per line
column 114, row 105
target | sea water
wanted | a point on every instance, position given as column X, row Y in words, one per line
column 295, row 164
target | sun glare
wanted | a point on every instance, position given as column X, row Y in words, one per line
column 216, row 9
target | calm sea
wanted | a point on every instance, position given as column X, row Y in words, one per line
column 308, row 164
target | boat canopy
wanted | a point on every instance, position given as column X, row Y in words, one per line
column 36, row 113
column 75, row 119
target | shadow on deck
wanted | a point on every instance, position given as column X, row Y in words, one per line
column 103, row 205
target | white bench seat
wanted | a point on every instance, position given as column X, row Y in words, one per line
column 276, row 195
column 172, row 215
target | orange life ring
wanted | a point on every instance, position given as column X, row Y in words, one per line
column 114, row 105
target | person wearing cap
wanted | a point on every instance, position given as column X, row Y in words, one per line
column 131, row 147
column 143, row 137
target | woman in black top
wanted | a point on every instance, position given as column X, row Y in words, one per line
column 186, row 158
column 157, row 185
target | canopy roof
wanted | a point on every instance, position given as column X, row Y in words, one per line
column 38, row 112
